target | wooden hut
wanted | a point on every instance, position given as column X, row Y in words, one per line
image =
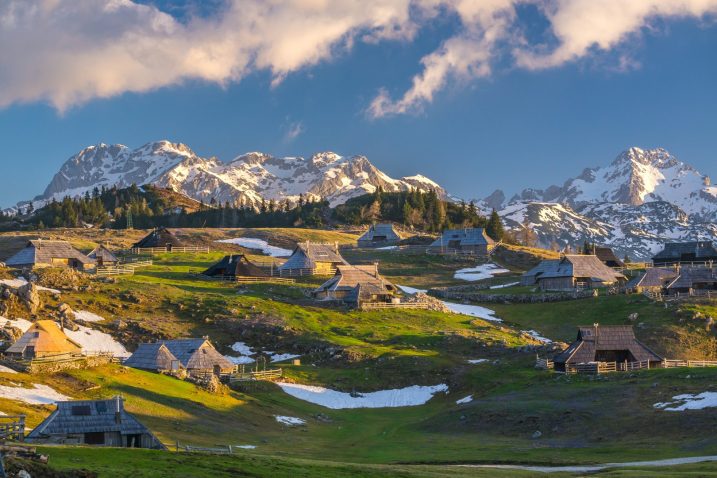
column 94, row 422
column 103, row 257
column 693, row 281
column 655, row 279
column 572, row 272
column 43, row 340
column 199, row 357
column 42, row 253
column 156, row 357
column 356, row 284
column 608, row 257
column 686, row 253
column 470, row 241
column 605, row 343
column 160, row 238
column 312, row 259
column 234, row 266
column 379, row 235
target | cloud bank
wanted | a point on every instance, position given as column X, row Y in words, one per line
column 68, row 52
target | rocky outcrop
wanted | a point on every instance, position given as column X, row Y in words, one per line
column 30, row 296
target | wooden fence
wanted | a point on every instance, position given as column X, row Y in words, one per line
column 270, row 375
column 12, row 427
column 595, row 368
column 252, row 280
column 216, row 450
column 390, row 305
column 167, row 250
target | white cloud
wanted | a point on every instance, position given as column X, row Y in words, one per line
column 295, row 130
column 67, row 52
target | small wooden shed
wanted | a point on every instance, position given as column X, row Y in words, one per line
column 160, row 238
column 94, row 422
column 312, row 259
column 605, row 343
column 356, row 284
column 199, row 357
column 572, row 272
column 41, row 253
column 43, row 340
column 103, row 256
column 155, row 356
column 469, row 240
column 379, row 235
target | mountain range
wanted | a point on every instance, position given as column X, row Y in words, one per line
column 636, row 203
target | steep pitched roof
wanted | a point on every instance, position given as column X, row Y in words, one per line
column 154, row 356
column 655, row 277
column 674, row 251
column 468, row 237
column 197, row 353
column 236, row 265
column 592, row 339
column 101, row 252
column 93, row 416
column 45, row 337
column 688, row 277
column 307, row 254
column 608, row 257
column 582, row 266
column 383, row 230
column 42, row 252
column 158, row 238
column 348, row 277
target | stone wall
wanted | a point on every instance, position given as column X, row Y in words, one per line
column 57, row 366
column 460, row 294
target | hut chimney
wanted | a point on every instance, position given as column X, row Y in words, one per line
column 596, row 325
column 118, row 409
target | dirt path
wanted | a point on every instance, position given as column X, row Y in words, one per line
column 591, row 468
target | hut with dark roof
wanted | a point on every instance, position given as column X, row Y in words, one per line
column 42, row 253
column 355, row 285
column 155, row 357
column 43, row 340
column 236, row 265
column 94, row 422
column 655, row 279
column 312, row 259
column 103, row 256
column 686, row 253
column 605, row 343
column 572, row 272
column 608, row 257
column 160, row 238
column 379, row 235
column 199, row 357
column 470, row 240
column 693, row 281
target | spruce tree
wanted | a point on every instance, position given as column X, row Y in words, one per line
column 494, row 229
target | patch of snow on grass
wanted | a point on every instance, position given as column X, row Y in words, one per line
column 463, row 309
column 411, row 290
column 245, row 447
column 4, row 369
column 240, row 360
column 282, row 357
column 242, row 348
column 536, row 335
column 403, row 397
column 503, row 286
column 387, row 248
column 290, row 421
column 258, row 244
column 463, row 400
column 20, row 281
column 38, row 395
column 480, row 272
column 86, row 316
column 21, row 324
column 477, row 361
column 95, row 341
column 688, row 401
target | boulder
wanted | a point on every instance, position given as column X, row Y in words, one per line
column 30, row 296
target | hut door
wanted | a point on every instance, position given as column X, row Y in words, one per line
column 134, row 441
column 217, row 370
column 169, row 247
column 30, row 351
column 95, row 438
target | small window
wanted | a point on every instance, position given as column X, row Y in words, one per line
column 101, row 407
column 37, row 334
column 80, row 410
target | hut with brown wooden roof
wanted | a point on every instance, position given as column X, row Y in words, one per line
column 236, row 265
column 693, row 281
column 655, row 279
column 379, row 235
column 155, row 357
column 607, row 256
column 686, row 253
column 199, row 357
column 94, row 422
column 44, row 340
column 41, row 253
column 572, row 272
column 468, row 240
column 355, row 285
column 160, row 238
column 605, row 343
column 311, row 258
column 103, row 256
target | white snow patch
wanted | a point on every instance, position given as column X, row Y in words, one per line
column 245, row 447
column 87, row 316
column 38, row 395
column 4, row 369
column 21, row 324
column 240, row 360
column 480, row 272
column 403, row 397
column 282, row 357
column 477, row 361
column 20, row 281
column 688, row 401
column 95, row 341
column 290, row 421
column 387, row 248
column 242, row 348
column 411, row 290
column 536, row 335
column 463, row 309
column 503, row 286
column 259, row 244
column 463, row 400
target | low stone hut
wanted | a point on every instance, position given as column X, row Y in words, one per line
column 379, row 235
column 469, row 240
column 94, row 422
column 605, row 343
column 43, row 340
column 312, row 259
column 41, row 253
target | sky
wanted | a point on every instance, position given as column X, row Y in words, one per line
column 475, row 94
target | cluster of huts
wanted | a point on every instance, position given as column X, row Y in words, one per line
column 195, row 356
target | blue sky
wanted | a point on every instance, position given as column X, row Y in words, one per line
column 525, row 123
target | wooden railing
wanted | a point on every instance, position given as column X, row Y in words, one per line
column 544, row 364
column 688, row 363
column 390, row 305
column 12, row 427
column 252, row 280
column 114, row 271
column 300, row 272
column 273, row 374
column 595, row 368
column 166, row 250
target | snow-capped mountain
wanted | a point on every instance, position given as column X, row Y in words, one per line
column 636, row 203
column 247, row 179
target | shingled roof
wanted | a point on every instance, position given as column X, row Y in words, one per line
column 348, row 277
column 160, row 237
column 383, row 232
column 154, row 356
column 46, row 339
column 605, row 338
column 689, row 277
column 466, row 237
column 197, row 354
column 236, row 265
column 686, row 252
column 655, row 277
column 584, row 266
column 42, row 251
column 91, row 416
column 608, row 257
column 307, row 254
column 102, row 254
